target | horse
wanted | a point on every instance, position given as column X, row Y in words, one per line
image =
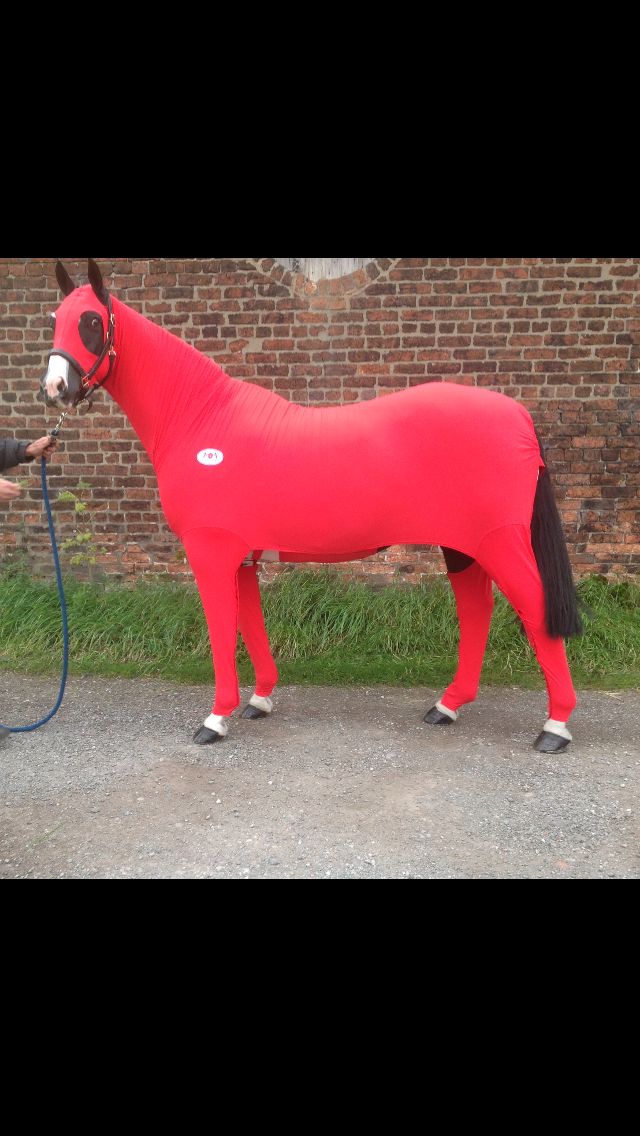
column 243, row 473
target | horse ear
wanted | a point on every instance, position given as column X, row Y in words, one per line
column 95, row 280
column 65, row 282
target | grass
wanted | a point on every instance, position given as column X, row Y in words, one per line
column 323, row 629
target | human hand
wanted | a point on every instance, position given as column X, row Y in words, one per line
column 42, row 448
column 8, row 490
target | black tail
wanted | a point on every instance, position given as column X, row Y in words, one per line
column 550, row 550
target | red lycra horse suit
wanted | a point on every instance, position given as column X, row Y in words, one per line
column 240, row 468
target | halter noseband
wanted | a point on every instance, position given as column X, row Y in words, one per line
column 107, row 349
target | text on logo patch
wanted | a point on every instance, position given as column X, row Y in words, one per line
column 210, row 457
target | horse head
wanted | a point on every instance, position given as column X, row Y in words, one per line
column 83, row 352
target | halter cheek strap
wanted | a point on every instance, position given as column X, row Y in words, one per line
column 107, row 349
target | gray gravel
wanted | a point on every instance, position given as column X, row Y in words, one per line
column 337, row 784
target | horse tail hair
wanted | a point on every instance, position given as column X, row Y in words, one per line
column 562, row 603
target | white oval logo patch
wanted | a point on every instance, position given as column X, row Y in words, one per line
column 210, row 457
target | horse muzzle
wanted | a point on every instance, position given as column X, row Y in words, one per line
column 61, row 382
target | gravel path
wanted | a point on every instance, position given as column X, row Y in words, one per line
column 337, row 784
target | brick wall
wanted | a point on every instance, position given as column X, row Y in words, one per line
column 560, row 334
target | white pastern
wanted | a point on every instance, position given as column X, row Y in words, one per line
column 553, row 726
column 217, row 722
column 453, row 714
column 261, row 703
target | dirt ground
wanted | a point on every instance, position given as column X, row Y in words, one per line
column 337, row 784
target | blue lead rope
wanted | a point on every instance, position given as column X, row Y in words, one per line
column 63, row 609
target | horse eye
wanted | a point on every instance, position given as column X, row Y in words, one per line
column 96, row 322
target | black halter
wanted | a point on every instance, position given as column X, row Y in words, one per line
column 86, row 386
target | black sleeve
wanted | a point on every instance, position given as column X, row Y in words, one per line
column 12, row 452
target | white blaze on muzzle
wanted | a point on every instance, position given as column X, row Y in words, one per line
column 57, row 373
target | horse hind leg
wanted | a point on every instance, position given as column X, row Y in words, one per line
column 474, row 603
column 507, row 555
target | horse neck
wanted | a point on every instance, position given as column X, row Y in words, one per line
column 159, row 381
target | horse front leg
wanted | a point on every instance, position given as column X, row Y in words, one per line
column 254, row 634
column 215, row 557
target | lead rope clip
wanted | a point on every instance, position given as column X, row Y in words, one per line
column 56, row 429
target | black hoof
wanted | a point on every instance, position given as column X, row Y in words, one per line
column 252, row 713
column 435, row 717
column 205, row 736
column 550, row 743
